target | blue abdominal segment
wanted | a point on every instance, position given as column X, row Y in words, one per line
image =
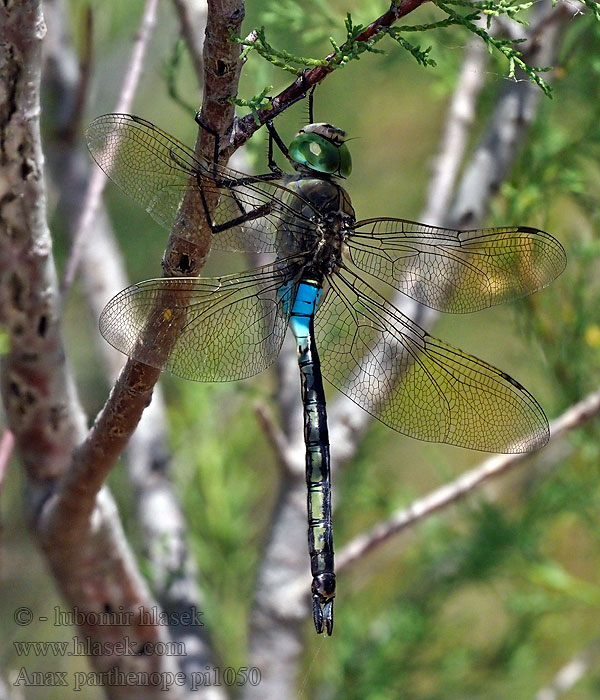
column 304, row 308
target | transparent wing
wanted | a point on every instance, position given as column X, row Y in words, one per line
column 218, row 329
column 178, row 188
column 456, row 271
column 417, row 384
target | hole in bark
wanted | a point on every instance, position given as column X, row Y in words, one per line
column 16, row 290
column 42, row 325
column 185, row 264
column 26, row 168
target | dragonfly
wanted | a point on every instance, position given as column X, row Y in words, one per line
column 324, row 281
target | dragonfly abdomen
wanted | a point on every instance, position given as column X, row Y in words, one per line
column 316, row 437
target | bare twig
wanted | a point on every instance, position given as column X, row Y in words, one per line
column 440, row 499
column 192, row 17
column 276, row 436
column 455, row 134
column 7, row 444
column 97, row 181
column 571, row 673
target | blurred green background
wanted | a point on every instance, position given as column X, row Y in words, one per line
column 486, row 600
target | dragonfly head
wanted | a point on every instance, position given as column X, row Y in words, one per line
column 321, row 148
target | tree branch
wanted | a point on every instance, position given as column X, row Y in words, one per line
column 192, row 17
column 7, row 444
column 571, row 673
column 97, row 181
column 170, row 565
column 460, row 117
column 246, row 126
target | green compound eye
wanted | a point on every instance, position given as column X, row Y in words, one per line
column 317, row 153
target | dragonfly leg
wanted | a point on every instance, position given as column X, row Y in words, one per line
column 274, row 137
column 311, row 98
column 238, row 220
column 215, row 134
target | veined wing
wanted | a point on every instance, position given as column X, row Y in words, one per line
column 456, row 271
column 415, row 383
column 177, row 187
column 218, row 329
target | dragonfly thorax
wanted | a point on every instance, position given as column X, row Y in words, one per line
column 330, row 208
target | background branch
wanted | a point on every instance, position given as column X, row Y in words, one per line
column 97, row 181
column 571, row 673
column 492, row 468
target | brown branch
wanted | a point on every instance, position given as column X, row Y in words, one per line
column 246, row 126
column 170, row 564
column 132, row 392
